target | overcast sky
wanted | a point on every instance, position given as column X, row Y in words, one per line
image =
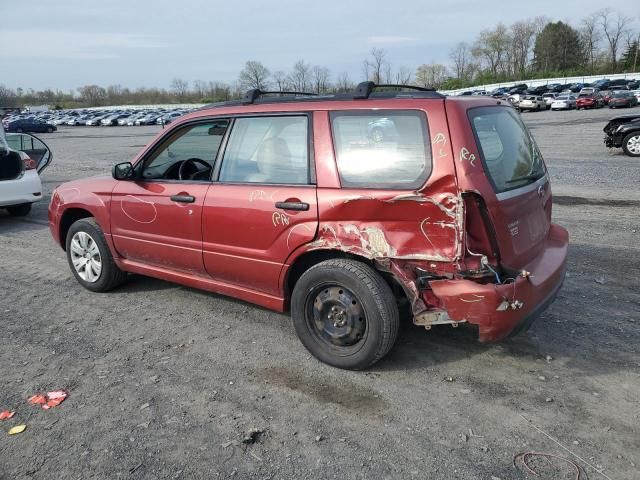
column 69, row 43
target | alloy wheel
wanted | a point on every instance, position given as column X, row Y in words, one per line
column 633, row 144
column 86, row 257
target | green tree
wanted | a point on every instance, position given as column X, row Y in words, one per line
column 631, row 56
column 557, row 48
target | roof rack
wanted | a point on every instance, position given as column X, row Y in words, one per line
column 252, row 95
column 364, row 89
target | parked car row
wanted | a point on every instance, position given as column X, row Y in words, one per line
column 589, row 97
column 524, row 89
column 49, row 121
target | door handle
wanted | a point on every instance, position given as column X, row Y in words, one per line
column 183, row 198
column 299, row 206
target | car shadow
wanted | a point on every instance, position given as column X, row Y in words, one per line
column 9, row 224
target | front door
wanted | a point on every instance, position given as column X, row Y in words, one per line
column 157, row 218
column 263, row 205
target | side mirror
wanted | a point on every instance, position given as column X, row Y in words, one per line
column 122, row 171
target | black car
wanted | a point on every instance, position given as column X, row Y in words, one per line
column 539, row 90
column 521, row 88
column 29, row 125
column 624, row 131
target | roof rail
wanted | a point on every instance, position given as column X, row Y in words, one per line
column 364, row 89
column 252, row 95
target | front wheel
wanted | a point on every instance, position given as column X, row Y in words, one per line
column 19, row 210
column 631, row 144
column 90, row 258
column 345, row 314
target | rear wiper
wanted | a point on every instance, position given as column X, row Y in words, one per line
column 526, row 177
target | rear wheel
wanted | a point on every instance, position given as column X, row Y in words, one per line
column 19, row 210
column 90, row 258
column 50, row 130
column 345, row 314
column 631, row 144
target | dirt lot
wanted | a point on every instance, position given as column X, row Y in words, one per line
column 166, row 381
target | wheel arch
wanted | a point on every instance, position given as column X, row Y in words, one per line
column 68, row 218
column 308, row 259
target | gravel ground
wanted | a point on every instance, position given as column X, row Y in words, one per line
column 166, row 381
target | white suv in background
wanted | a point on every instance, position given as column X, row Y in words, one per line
column 22, row 157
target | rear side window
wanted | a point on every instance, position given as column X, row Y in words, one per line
column 381, row 149
column 510, row 156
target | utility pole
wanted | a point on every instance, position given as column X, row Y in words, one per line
column 635, row 58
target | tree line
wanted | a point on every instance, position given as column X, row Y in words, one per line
column 603, row 42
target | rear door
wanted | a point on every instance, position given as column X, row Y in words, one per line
column 263, row 205
column 32, row 146
column 501, row 160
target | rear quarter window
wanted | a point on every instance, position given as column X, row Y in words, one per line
column 381, row 149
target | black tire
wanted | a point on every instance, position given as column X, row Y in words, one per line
column 368, row 323
column 19, row 130
column 110, row 276
column 19, row 210
column 49, row 130
column 625, row 142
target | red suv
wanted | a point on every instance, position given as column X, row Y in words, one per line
column 335, row 207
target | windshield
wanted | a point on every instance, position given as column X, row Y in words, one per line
column 509, row 154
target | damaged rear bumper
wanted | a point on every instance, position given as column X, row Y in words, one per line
column 500, row 310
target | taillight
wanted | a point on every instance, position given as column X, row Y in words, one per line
column 29, row 164
column 480, row 237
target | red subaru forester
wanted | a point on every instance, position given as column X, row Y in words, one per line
column 336, row 207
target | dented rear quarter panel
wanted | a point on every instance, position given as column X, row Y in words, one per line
column 390, row 227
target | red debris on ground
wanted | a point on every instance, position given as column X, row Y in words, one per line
column 49, row 400
column 5, row 414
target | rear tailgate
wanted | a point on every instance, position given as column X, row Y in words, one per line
column 497, row 158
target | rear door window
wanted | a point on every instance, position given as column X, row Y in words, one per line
column 270, row 150
column 381, row 149
column 510, row 155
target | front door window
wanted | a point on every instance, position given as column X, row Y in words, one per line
column 189, row 154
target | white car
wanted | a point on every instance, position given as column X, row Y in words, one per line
column 549, row 98
column 532, row 102
column 564, row 102
column 22, row 157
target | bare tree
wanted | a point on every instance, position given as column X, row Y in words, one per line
column 613, row 30
column 254, row 75
column 403, row 76
column 431, row 75
column 590, row 37
column 280, row 80
column 461, row 56
column 343, row 83
column 8, row 97
column 180, row 88
column 522, row 35
column 92, row 95
column 320, row 76
column 374, row 66
column 200, row 89
column 300, row 77
column 491, row 46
